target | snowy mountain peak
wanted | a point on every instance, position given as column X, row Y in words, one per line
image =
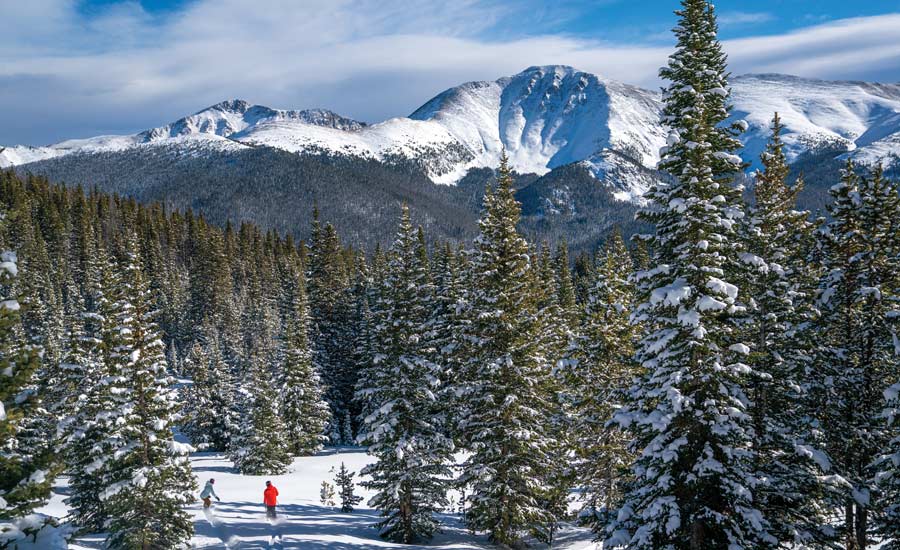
column 548, row 116
column 231, row 117
column 229, row 105
column 544, row 117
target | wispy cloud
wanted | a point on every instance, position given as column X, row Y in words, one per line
column 735, row 18
column 64, row 74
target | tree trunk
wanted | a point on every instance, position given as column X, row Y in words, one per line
column 862, row 524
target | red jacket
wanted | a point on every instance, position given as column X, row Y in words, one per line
column 269, row 496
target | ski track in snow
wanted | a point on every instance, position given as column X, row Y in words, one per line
column 239, row 521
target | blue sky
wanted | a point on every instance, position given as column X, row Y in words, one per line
column 629, row 19
column 76, row 68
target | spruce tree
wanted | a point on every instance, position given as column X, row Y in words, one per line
column 148, row 479
column 344, row 481
column 333, row 344
column 94, row 431
column 209, row 412
column 306, row 415
column 261, row 446
column 599, row 366
column 857, row 355
column 24, row 483
column 781, row 283
column 505, row 413
column 888, row 476
column 404, row 429
column 694, row 481
column 449, row 273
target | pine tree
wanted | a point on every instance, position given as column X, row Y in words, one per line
column 24, row 484
column 504, row 410
column 693, row 472
column 330, row 305
column 599, row 366
column 449, row 272
column 148, row 479
column 565, row 287
column 209, row 413
column 94, row 433
column 857, row 337
column 404, row 429
column 262, row 446
column 888, row 476
column 306, row 415
column 781, row 284
column 344, row 480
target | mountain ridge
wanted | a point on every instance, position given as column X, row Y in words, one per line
column 543, row 117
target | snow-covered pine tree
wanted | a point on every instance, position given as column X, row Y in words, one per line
column 405, row 429
column 688, row 414
column 505, row 412
column 94, row 432
column 344, row 481
column 598, row 367
column 261, row 446
column 43, row 328
column 565, row 286
column 23, row 482
column 782, row 283
column 363, row 294
column 209, row 414
column 449, row 273
column 888, row 476
column 306, row 415
column 330, row 308
column 858, row 355
column 148, row 478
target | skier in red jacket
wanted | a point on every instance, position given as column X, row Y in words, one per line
column 270, row 499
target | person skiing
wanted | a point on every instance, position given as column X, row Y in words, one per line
column 208, row 492
column 270, row 499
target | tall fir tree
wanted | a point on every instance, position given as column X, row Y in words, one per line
column 306, row 415
column 148, row 479
column 94, row 432
column 694, row 480
column 261, row 446
column 505, row 412
column 209, row 415
column 781, row 283
column 857, row 355
column 24, row 483
column 330, row 303
column 598, row 367
column 404, row 428
column 888, row 476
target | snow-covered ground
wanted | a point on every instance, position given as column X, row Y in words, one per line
column 239, row 522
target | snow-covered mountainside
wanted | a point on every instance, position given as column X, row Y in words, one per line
column 215, row 126
column 859, row 117
column 547, row 117
column 544, row 117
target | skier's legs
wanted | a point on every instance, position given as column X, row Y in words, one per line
column 207, row 502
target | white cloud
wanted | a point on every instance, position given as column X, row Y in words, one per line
column 63, row 74
column 735, row 18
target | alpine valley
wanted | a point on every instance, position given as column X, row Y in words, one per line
column 584, row 149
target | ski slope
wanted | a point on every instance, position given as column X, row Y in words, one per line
column 238, row 522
